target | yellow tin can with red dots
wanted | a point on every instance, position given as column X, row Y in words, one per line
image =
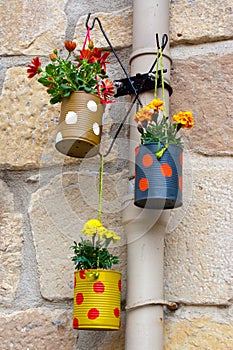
column 97, row 299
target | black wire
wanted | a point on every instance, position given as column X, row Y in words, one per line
column 114, row 52
column 137, row 92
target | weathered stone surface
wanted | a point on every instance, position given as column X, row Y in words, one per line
column 11, row 242
column 89, row 340
column 27, row 123
column 32, row 27
column 200, row 21
column 198, row 263
column 203, row 85
column 119, row 34
column 40, row 328
column 57, row 213
column 205, row 329
column 206, row 22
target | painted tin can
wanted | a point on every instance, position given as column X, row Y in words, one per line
column 80, row 125
column 97, row 299
column 158, row 182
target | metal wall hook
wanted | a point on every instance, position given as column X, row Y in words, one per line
column 164, row 41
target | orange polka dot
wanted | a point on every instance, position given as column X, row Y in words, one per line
column 137, row 149
column 82, row 274
column 119, row 285
column 143, row 184
column 75, row 323
column 180, row 183
column 93, row 314
column 117, row 312
column 181, row 159
column 166, row 170
column 98, row 287
column 79, row 298
column 147, row 160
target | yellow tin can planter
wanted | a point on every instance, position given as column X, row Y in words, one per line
column 97, row 299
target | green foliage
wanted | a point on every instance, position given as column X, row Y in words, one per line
column 160, row 131
column 90, row 256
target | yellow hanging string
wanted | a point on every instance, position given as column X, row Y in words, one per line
column 156, row 73
column 101, row 170
column 162, row 78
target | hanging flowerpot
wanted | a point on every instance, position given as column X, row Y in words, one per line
column 80, row 125
column 97, row 295
column 158, row 182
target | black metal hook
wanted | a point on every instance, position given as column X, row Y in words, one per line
column 87, row 20
column 164, row 41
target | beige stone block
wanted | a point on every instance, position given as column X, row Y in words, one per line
column 119, row 34
column 11, row 241
column 207, row 22
column 200, row 21
column 42, row 328
column 58, row 212
column 32, row 27
column 198, row 255
column 90, row 340
column 203, row 84
column 205, row 330
column 27, row 123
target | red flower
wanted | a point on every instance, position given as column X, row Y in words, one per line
column 106, row 90
column 96, row 56
column 70, row 45
column 85, row 54
column 34, row 67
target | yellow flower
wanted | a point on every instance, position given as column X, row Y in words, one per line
column 115, row 238
column 102, row 232
column 92, row 227
column 143, row 114
column 185, row 119
column 156, row 104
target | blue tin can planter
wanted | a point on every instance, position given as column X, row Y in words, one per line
column 158, row 183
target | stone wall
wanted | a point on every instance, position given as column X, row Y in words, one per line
column 46, row 197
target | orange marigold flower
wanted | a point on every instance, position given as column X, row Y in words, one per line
column 156, row 104
column 143, row 114
column 70, row 45
column 53, row 56
column 185, row 119
column 34, row 68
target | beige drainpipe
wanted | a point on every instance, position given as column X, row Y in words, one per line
column 145, row 229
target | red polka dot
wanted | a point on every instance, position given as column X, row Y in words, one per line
column 93, row 314
column 137, row 149
column 180, row 183
column 82, row 274
column 181, row 159
column 98, row 287
column 117, row 312
column 147, row 160
column 143, row 184
column 79, row 298
column 166, row 170
column 74, row 281
column 119, row 285
column 75, row 323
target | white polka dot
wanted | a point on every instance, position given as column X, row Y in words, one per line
column 59, row 137
column 71, row 118
column 92, row 106
column 96, row 128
